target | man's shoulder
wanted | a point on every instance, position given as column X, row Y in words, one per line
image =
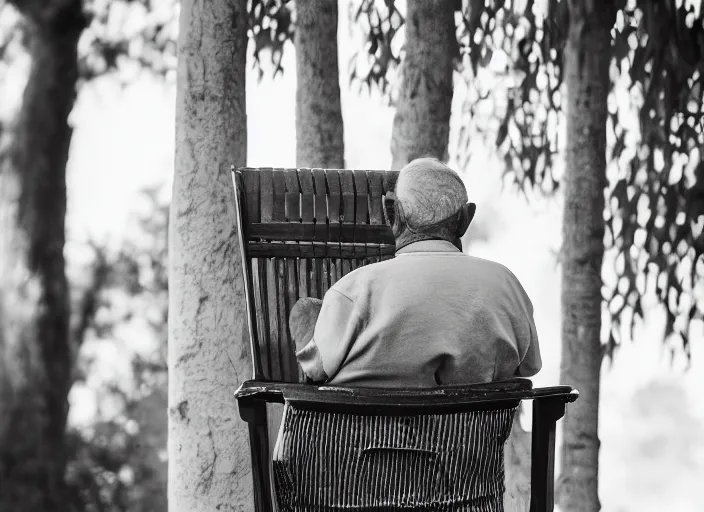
column 380, row 268
column 504, row 279
column 359, row 278
column 497, row 273
column 486, row 265
column 372, row 274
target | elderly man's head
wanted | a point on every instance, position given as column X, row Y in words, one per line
column 430, row 202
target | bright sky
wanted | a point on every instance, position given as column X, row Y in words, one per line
column 652, row 419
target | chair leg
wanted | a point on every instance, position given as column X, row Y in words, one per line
column 546, row 412
column 254, row 413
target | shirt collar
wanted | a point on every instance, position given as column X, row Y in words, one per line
column 428, row 246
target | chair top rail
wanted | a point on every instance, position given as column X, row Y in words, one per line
column 391, row 401
column 316, row 205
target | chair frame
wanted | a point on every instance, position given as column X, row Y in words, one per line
column 252, row 396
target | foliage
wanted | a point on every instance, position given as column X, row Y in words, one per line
column 380, row 24
column 659, row 50
column 119, row 37
column 124, row 34
column 654, row 198
column 270, row 28
column 118, row 462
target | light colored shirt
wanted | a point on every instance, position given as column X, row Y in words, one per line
column 430, row 316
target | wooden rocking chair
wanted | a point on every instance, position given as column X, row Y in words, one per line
column 442, row 449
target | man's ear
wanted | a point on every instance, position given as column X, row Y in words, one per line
column 466, row 215
column 399, row 218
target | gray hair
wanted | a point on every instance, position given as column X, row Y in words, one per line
column 429, row 192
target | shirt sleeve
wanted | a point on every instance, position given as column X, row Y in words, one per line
column 335, row 330
column 528, row 345
column 529, row 351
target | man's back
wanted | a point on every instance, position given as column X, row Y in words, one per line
column 432, row 315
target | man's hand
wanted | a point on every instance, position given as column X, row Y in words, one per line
column 301, row 323
column 302, row 319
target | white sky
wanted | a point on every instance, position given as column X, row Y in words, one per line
column 125, row 140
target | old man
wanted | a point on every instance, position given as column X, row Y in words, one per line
column 430, row 316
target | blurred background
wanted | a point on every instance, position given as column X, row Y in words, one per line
column 119, row 174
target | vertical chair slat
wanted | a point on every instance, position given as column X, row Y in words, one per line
column 321, row 211
column 289, row 290
column 253, row 191
column 305, row 178
column 293, row 196
column 361, row 192
column 339, row 272
column 320, row 279
column 376, row 208
column 292, row 293
column 388, row 185
column 263, row 315
column 273, row 320
column 312, row 274
column 348, row 208
column 279, row 206
column 288, row 356
column 376, row 191
column 303, row 278
column 348, row 198
column 321, row 217
column 258, row 318
column 346, row 267
column 321, row 208
column 266, row 194
column 332, row 179
column 361, row 211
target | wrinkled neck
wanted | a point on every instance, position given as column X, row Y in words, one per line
column 407, row 238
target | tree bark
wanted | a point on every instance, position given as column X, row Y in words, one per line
column 422, row 119
column 35, row 350
column 209, row 463
column 319, row 128
column 587, row 58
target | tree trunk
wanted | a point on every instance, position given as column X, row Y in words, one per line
column 319, row 128
column 587, row 58
column 35, row 351
column 422, row 120
column 209, row 463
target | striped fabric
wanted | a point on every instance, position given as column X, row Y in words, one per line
column 444, row 462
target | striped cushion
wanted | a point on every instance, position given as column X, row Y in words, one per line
column 326, row 461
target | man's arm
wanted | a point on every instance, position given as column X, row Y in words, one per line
column 301, row 323
column 531, row 362
column 528, row 345
column 322, row 350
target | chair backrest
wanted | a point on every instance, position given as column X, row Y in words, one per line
column 302, row 230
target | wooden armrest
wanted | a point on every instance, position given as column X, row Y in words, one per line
column 388, row 401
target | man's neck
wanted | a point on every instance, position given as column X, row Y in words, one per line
column 406, row 240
